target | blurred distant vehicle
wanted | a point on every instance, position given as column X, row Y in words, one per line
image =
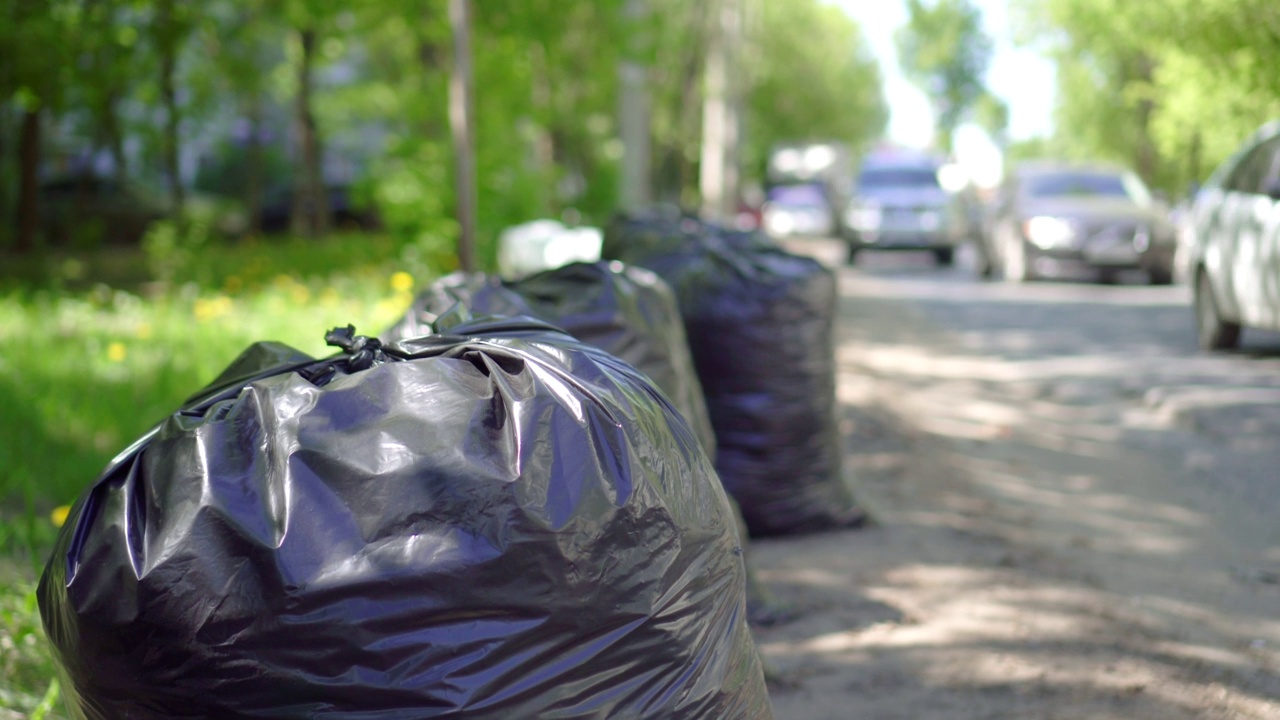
column 806, row 184
column 1234, row 251
column 88, row 210
column 899, row 203
column 802, row 209
column 1053, row 219
column 544, row 245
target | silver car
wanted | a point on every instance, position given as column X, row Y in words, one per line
column 1053, row 219
column 900, row 204
column 1234, row 248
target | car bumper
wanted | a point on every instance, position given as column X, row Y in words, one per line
column 904, row 240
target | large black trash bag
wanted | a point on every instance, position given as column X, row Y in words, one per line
column 499, row 522
column 760, row 323
column 628, row 312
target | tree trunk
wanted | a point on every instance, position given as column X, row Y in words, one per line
column 253, row 167
column 115, row 138
column 633, row 120
column 460, row 107
column 167, row 34
column 717, row 173
column 28, row 210
column 309, row 213
column 1147, row 158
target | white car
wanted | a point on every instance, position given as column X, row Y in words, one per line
column 1234, row 251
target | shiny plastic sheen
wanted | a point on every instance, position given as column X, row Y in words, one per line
column 628, row 312
column 760, row 323
column 496, row 522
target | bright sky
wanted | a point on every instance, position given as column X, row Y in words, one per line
column 1019, row 76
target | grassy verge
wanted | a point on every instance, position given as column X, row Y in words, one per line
column 83, row 373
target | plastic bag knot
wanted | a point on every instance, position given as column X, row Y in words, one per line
column 363, row 351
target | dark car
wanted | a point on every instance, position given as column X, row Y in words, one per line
column 899, row 204
column 1233, row 247
column 1056, row 219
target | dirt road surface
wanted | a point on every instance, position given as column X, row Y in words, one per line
column 1077, row 513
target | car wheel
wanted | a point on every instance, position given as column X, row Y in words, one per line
column 1108, row 277
column 1014, row 262
column 1214, row 332
column 946, row 257
column 1157, row 275
column 851, row 257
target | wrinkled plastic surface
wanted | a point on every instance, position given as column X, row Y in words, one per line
column 760, row 323
column 497, row 522
column 628, row 312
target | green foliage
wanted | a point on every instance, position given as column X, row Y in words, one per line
column 814, row 78
column 945, row 51
column 1169, row 89
column 28, row 685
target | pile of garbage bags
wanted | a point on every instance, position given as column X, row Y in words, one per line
column 760, row 323
column 628, row 312
column 493, row 520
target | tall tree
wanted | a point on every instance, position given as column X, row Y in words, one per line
column 813, row 77
column 945, row 51
column 35, row 42
column 171, row 24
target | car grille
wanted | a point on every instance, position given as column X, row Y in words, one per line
column 1104, row 232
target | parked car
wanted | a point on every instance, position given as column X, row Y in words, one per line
column 801, row 209
column 899, row 203
column 1234, row 249
column 1052, row 219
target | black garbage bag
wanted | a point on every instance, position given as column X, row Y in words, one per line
column 760, row 323
column 628, row 312
column 496, row 522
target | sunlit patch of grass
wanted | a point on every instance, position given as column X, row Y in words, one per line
column 28, row 684
column 82, row 374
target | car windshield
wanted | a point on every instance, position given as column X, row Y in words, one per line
column 797, row 196
column 899, row 177
column 1087, row 184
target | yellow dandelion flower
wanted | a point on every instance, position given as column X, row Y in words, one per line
column 116, row 352
column 300, row 294
column 59, row 515
column 401, row 282
column 329, row 297
column 202, row 309
column 283, row 280
column 143, row 331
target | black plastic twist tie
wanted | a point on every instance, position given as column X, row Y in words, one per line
column 363, row 351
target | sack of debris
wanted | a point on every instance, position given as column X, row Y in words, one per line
column 492, row 521
column 760, row 323
column 628, row 312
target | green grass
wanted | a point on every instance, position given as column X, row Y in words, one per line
column 85, row 372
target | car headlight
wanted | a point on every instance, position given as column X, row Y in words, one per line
column 863, row 217
column 779, row 221
column 1049, row 232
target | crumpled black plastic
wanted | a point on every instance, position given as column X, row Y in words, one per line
column 760, row 323
column 493, row 522
column 628, row 312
